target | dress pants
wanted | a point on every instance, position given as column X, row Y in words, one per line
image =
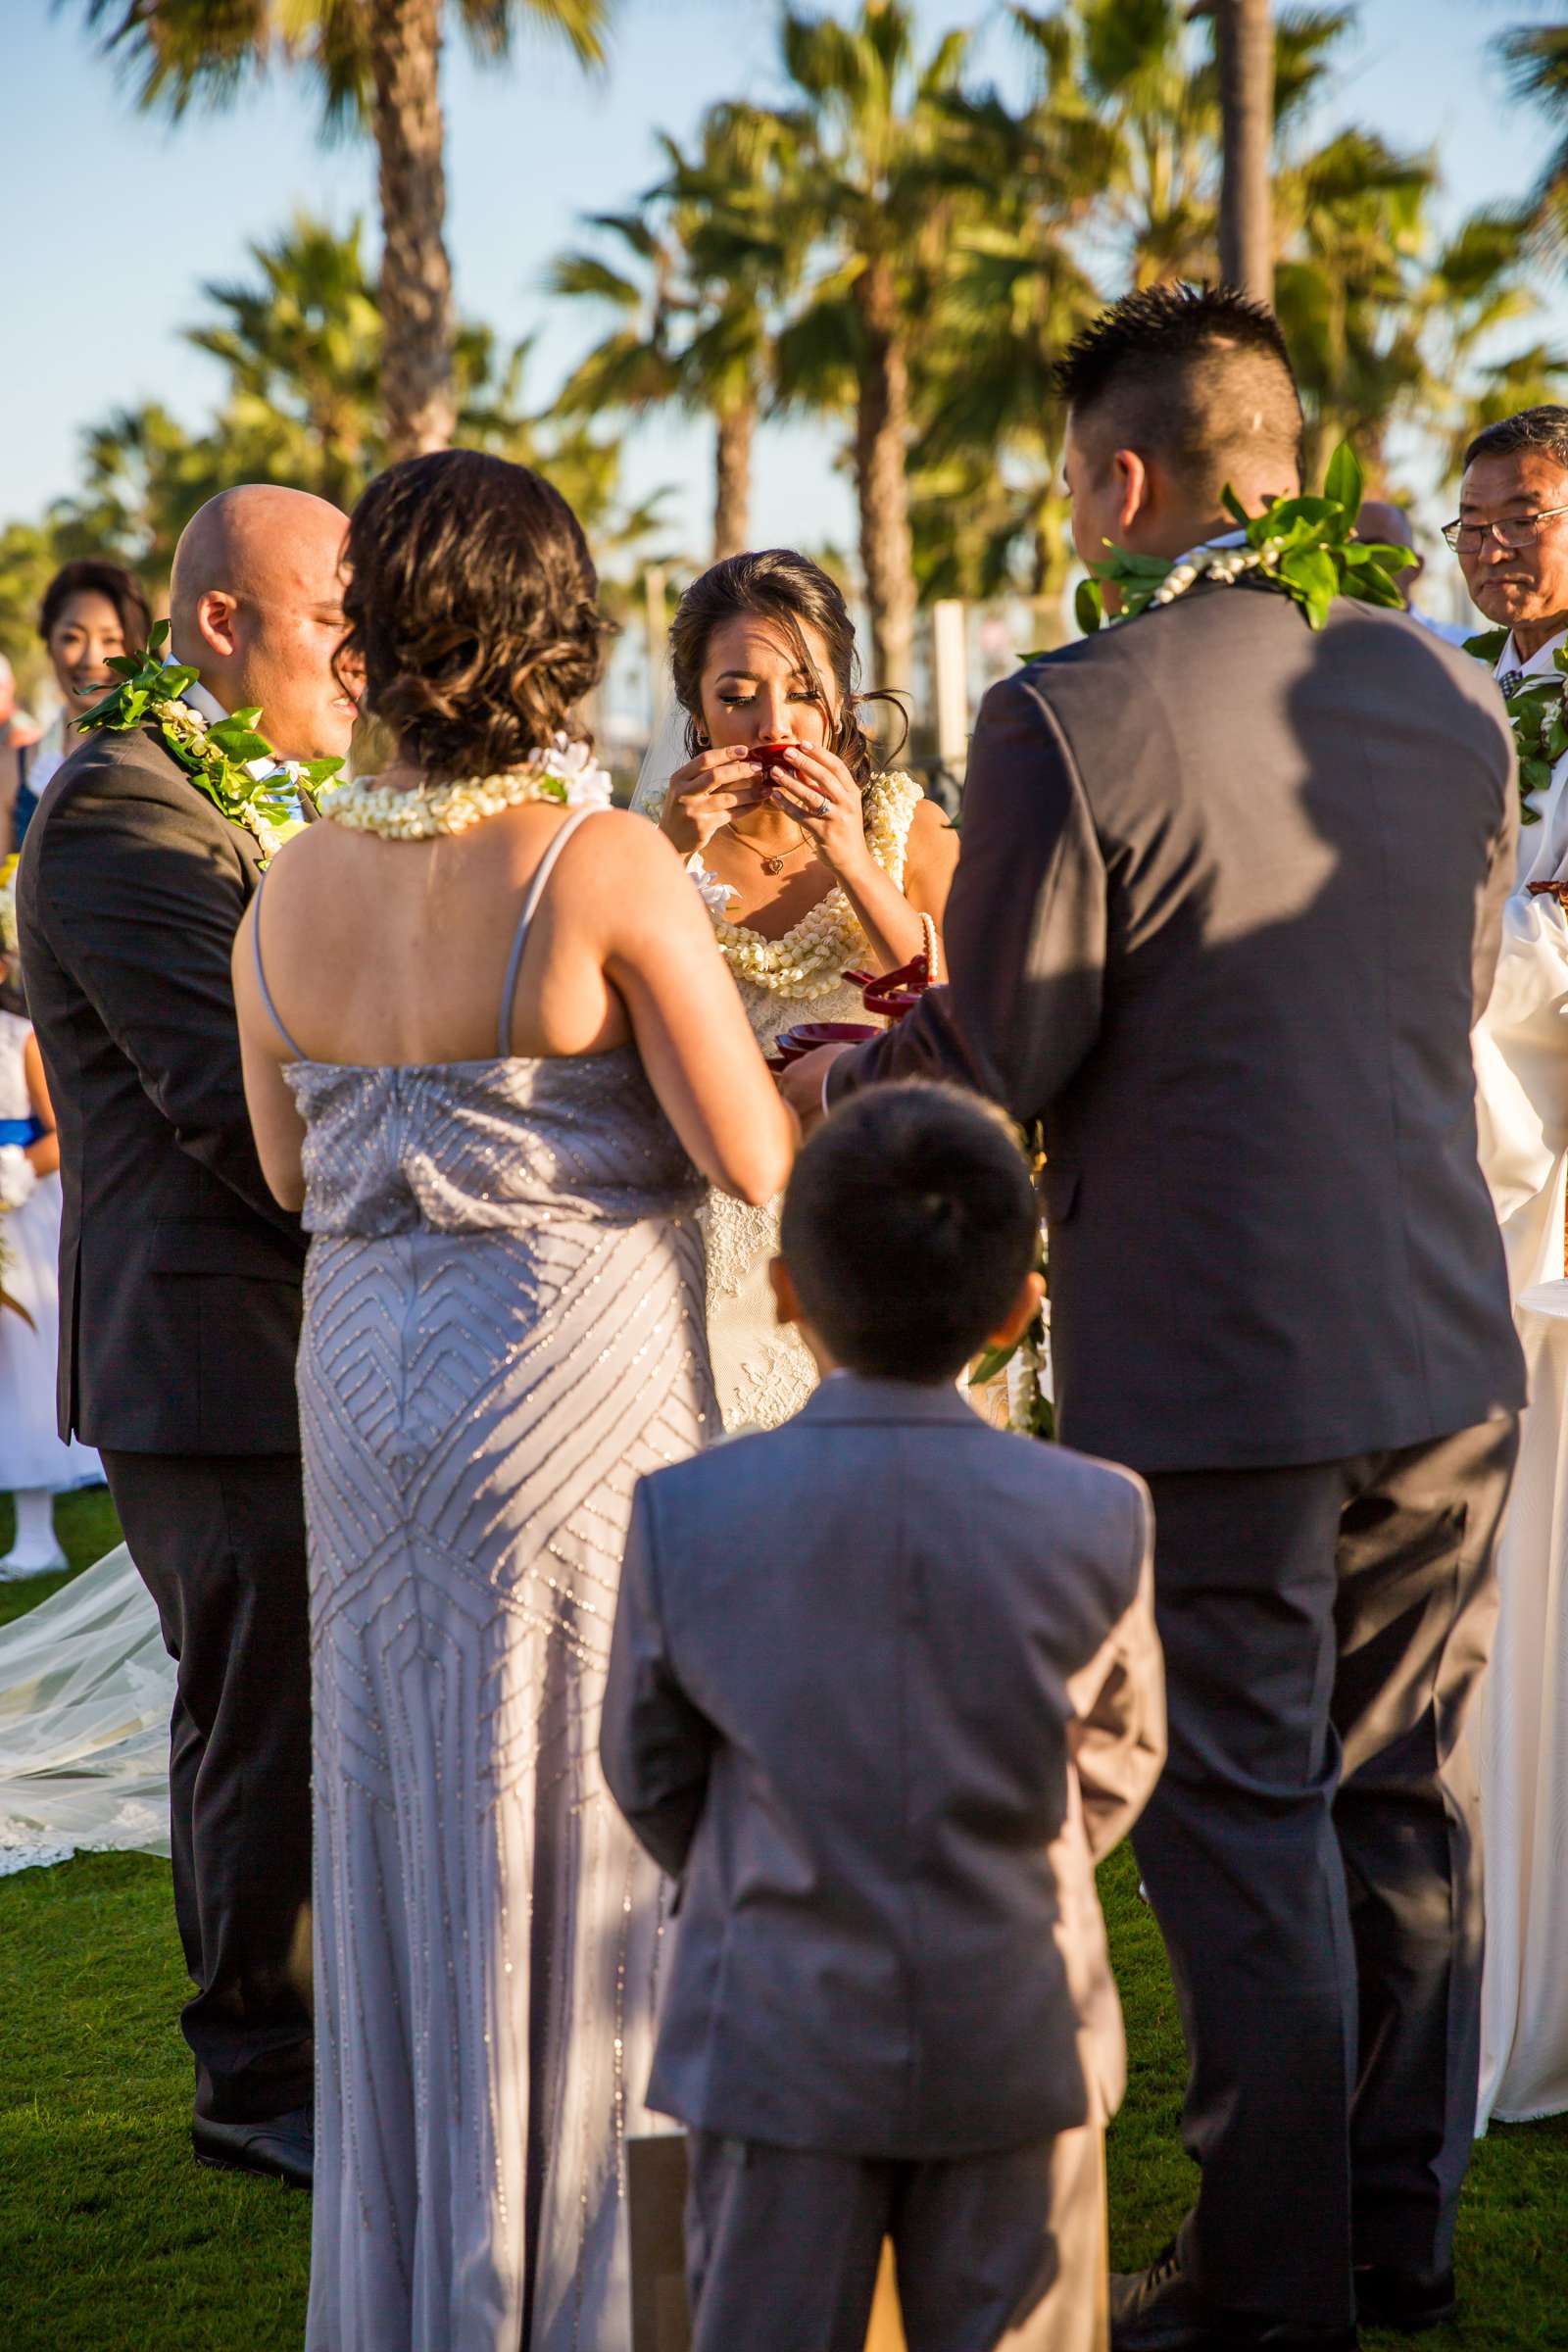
column 220, row 1541
column 1313, row 1855
column 783, row 2244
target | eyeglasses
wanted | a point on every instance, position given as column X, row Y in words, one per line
column 1465, row 538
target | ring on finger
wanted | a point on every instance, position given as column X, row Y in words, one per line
column 824, row 808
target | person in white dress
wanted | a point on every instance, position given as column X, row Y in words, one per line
column 34, row 1465
column 812, row 862
column 1511, row 538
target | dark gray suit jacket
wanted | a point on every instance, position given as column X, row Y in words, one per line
column 1228, row 905
column 179, row 1275
column 838, row 1708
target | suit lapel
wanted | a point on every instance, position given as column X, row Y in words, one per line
column 244, row 840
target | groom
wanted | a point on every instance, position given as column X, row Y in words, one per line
column 179, row 1281
column 1188, row 932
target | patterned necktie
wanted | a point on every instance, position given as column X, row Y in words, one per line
column 1509, row 681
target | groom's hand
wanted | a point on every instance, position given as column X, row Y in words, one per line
column 802, row 1084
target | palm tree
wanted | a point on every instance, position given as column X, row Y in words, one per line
column 1243, row 49
column 989, row 509
column 878, row 183
column 731, row 216
column 376, row 64
column 1536, row 57
column 701, row 268
column 1356, row 249
column 302, row 342
column 143, row 478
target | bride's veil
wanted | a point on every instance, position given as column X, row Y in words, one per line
column 665, row 753
column 85, row 1690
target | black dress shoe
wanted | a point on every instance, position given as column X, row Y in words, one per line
column 1160, row 2310
column 1406, row 2300
column 282, row 2147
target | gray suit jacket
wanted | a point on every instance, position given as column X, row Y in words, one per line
column 838, row 1710
column 1228, row 906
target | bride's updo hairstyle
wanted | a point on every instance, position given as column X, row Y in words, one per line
column 775, row 584
column 473, row 604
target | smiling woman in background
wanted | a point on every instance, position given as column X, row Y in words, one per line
column 91, row 613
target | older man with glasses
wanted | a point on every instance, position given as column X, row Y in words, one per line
column 1511, row 539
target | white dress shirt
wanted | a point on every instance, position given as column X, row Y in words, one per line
column 1543, row 852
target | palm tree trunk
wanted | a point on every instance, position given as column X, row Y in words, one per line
column 416, row 386
column 1245, row 40
column 732, row 479
column 881, row 444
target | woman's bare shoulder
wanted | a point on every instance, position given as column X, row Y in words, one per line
column 616, row 851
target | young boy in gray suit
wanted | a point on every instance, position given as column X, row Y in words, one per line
column 873, row 1677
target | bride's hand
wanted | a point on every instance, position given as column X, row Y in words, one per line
column 813, row 785
column 705, row 793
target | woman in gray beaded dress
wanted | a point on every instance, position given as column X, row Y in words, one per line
column 492, row 1051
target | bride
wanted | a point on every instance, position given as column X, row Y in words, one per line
column 812, row 861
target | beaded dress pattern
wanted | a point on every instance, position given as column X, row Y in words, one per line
column 763, row 1373
column 503, row 1332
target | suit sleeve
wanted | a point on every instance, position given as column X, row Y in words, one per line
column 1026, row 928
column 1495, row 890
column 1117, row 1737
column 656, row 1747
column 140, row 908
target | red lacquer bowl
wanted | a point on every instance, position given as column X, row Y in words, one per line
column 807, row 1036
column 890, row 994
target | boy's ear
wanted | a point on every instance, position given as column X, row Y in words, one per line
column 1021, row 1314
column 786, row 1299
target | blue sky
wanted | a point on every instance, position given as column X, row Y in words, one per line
column 115, row 220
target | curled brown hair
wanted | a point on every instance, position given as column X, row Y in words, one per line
column 790, row 590
column 472, row 604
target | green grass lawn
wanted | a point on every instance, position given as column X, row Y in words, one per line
column 111, row 2240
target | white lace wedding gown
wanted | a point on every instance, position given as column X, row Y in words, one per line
column 762, row 1372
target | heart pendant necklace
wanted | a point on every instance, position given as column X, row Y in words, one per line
column 773, row 861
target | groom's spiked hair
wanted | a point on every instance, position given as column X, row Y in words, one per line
column 909, row 1227
column 1197, row 373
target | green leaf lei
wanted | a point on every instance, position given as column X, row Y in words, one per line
column 1535, row 713
column 1305, row 547
column 217, row 756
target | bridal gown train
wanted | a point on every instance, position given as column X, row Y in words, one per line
column 502, row 1331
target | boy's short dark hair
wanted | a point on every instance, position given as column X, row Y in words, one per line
column 909, row 1226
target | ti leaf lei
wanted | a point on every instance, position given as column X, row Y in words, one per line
column 221, row 756
column 1536, row 715
column 1305, row 547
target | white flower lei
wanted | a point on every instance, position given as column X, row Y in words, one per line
column 1029, row 1378
column 1224, row 564
column 183, row 724
column 811, row 960
column 563, row 771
